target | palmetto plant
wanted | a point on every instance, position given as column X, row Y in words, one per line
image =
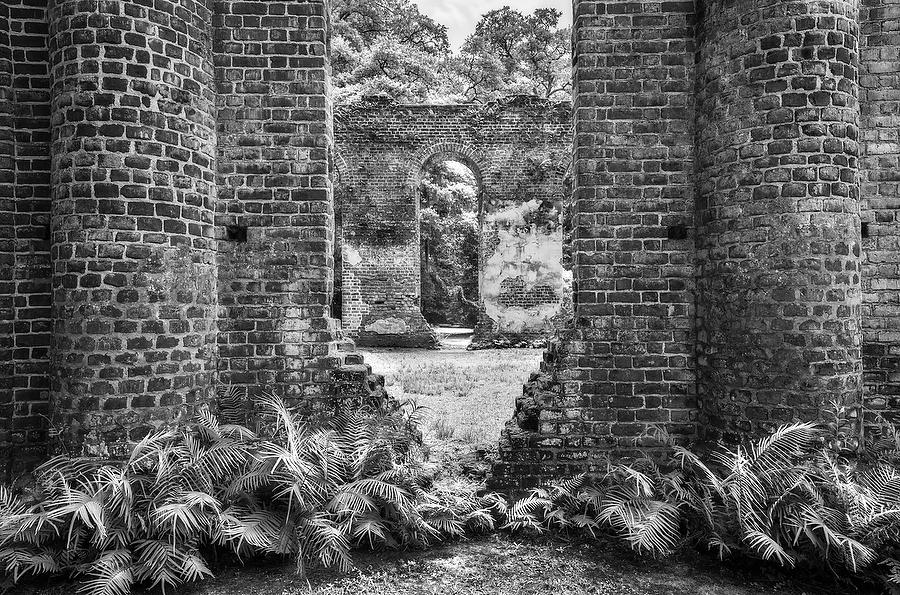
column 311, row 492
column 144, row 520
column 784, row 497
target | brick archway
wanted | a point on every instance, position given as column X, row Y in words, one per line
column 518, row 149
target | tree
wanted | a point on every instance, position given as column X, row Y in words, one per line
column 450, row 230
column 513, row 53
column 385, row 47
column 388, row 47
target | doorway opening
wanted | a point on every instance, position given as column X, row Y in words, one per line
column 449, row 223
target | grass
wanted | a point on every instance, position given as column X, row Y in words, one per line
column 469, row 394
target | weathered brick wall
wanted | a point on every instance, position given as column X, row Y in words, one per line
column 518, row 149
column 143, row 248
column 275, row 214
column 879, row 80
column 628, row 362
column 133, row 176
column 26, row 250
column 7, row 233
column 778, row 212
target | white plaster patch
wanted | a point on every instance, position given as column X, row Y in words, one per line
column 513, row 215
column 350, row 255
column 535, row 257
column 388, row 326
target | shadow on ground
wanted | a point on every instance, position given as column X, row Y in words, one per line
column 498, row 566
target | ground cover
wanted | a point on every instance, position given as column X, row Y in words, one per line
column 469, row 395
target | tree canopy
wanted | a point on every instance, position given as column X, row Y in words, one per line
column 388, row 47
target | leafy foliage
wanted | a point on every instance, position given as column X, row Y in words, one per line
column 786, row 498
column 305, row 491
column 388, row 47
column 449, row 244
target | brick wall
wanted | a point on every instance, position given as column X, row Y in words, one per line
column 879, row 80
column 26, row 245
column 518, row 149
column 628, row 363
column 134, row 285
column 7, row 232
column 275, row 214
column 778, row 212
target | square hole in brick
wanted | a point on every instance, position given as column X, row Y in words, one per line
column 236, row 233
column 677, row 232
column 865, row 229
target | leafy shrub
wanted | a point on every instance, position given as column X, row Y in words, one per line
column 794, row 495
column 307, row 491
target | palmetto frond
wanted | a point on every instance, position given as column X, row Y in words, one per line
column 110, row 574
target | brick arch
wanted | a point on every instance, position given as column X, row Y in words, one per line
column 472, row 158
column 386, row 146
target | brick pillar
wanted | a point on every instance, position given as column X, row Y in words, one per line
column 7, row 235
column 29, row 267
column 134, row 286
column 778, row 212
column 879, row 79
column 276, row 215
column 627, row 364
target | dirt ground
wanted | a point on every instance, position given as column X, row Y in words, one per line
column 499, row 566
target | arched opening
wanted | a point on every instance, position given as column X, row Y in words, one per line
column 449, row 239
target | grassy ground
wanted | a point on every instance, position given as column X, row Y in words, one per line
column 505, row 566
column 469, row 394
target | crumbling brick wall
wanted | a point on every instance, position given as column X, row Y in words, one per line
column 717, row 239
column 518, row 149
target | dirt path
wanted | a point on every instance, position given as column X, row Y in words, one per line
column 499, row 566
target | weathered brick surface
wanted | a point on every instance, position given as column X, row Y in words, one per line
column 879, row 79
column 7, row 232
column 26, row 247
column 275, row 215
column 133, row 175
column 628, row 362
column 722, row 153
column 518, row 149
column 778, row 212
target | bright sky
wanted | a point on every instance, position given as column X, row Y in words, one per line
column 460, row 16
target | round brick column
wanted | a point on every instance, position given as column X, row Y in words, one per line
column 778, row 214
column 133, row 161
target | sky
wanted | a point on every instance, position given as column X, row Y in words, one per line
column 460, row 16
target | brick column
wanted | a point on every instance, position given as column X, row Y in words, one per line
column 7, row 235
column 778, row 212
column 879, row 79
column 134, row 300
column 627, row 364
column 276, row 214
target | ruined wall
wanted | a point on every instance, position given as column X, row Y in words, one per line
column 628, row 362
column 275, row 215
column 764, row 130
column 188, row 147
column 518, row 149
column 879, row 80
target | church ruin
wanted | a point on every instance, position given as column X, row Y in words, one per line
column 519, row 150
column 167, row 220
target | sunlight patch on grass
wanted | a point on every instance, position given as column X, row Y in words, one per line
column 470, row 394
